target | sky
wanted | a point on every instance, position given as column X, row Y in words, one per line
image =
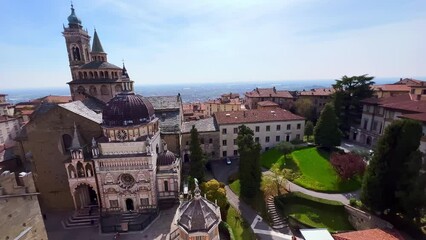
column 195, row 41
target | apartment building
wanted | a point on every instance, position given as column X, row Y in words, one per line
column 283, row 98
column 318, row 96
column 226, row 102
column 269, row 126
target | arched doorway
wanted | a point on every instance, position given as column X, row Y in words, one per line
column 84, row 196
column 129, row 205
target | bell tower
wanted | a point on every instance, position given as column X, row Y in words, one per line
column 77, row 42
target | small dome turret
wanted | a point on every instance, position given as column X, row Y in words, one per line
column 73, row 19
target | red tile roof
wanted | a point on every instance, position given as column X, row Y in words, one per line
column 255, row 116
column 267, row 104
column 317, row 92
column 219, row 101
column 370, row 234
column 391, row 88
column 268, row 92
column 415, row 116
column 411, row 82
column 400, row 102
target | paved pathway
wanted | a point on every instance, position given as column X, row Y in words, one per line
column 259, row 227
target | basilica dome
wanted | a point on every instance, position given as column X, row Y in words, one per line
column 127, row 109
column 166, row 158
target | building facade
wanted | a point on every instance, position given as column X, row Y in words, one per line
column 319, row 97
column 226, row 102
column 269, row 127
column 21, row 216
column 283, row 98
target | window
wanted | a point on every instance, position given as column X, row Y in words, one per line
column 187, row 143
column 235, row 142
column 144, row 201
column 166, row 186
column 266, row 139
column 299, row 126
column 224, row 154
column 266, row 149
column 235, row 152
column 277, row 138
column 211, row 140
column 268, row 128
column 224, row 131
column 424, row 91
column 202, row 140
column 413, row 91
column 113, row 203
column 287, row 138
column 365, row 123
column 235, row 130
column 288, row 126
column 298, row 136
column 257, row 129
column 256, row 139
column 278, row 127
column 224, row 142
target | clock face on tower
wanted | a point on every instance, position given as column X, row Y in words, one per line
column 122, row 135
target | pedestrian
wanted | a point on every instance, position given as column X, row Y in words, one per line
column 117, row 235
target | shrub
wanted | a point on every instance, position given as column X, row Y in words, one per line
column 296, row 141
column 232, row 177
column 352, row 202
column 347, row 165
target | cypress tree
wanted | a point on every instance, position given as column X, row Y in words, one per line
column 196, row 157
column 327, row 133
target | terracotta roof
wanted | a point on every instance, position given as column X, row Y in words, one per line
column 317, row 92
column 219, row 101
column 53, row 99
column 255, row 116
column 400, row 102
column 415, row 116
column 411, row 82
column 268, row 92
column 267, row 103
column 231, row 95
column 391, row 88
column 370, row 234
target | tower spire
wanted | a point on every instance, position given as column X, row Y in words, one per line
column 76, row 139
column 97, row 46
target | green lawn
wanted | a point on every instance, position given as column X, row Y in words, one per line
column 314, row 212
column 318, row 174
column 268, row 158
column 240, row 229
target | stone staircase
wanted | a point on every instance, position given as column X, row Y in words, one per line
column 129, row 217
column 277, row 221
column 83, row 218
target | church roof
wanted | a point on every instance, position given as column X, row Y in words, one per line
column 97, row 46
column 202, row 125
column 79, row 108
column 198, row 214
column 165, row 158
column 99, row 65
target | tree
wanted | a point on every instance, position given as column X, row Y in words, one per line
column 249, row 171
column 326, row 132
column 196, row 157
column 349, row 91
column 347, row 165
column 309, row 129
column 215, row 191
column 305, row 108
column 393, row 181
column 285, row 147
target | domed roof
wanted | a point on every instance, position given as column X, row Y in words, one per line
column 72, row 18
column 165, row 158
column 127, row 109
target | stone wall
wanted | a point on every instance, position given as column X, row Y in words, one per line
column 45, row 145
column 19, row 207
column 361, row 220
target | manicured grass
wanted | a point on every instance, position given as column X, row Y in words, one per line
column 240, row 228
column 257, row 203
column 318, row 174
column 270, row 157
column 314, row 212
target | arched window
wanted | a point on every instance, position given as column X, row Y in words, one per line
column 101, row 74
column 66, row 142
column 80, row 75
column 92, row 90
column 118, row 88
column 85, row 75
column 104, row 90
column 89, row 170
column 96, row 75
column 81, row 90
column 166, row 186
column 71, row 171
column 76, row 53
column 80, row 170
column 106, row 74
column 91, row 74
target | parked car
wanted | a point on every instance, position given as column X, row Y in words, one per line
column 228, row 161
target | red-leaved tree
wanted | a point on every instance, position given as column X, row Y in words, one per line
column 347, row 165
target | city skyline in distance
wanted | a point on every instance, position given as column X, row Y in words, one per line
column 219, row 41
